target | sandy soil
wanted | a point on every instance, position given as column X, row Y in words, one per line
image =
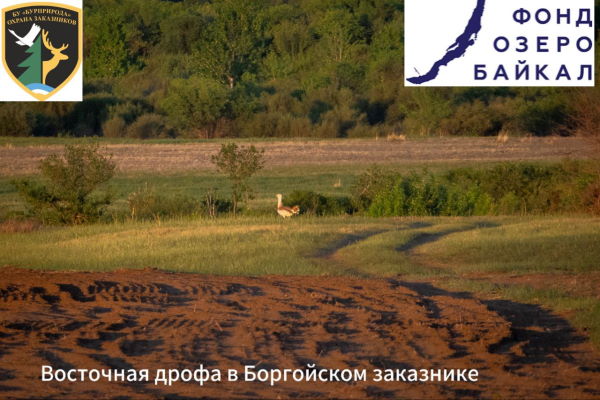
column 150, row 319
column 169, row 158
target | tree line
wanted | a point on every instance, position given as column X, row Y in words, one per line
column 274, row 68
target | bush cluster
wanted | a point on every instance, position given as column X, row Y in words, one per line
column 147, row 203
column 425, row 195
column 70, row 190
column 316, row 204
column 67, row 193
column 506, row 189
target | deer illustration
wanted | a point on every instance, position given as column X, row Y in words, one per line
column 57, row 56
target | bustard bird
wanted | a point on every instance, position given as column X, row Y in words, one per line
column 286, row 212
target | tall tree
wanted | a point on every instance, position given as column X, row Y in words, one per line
column 340, row 34
column 107, row 54
column 234, row 42
column 196, row 104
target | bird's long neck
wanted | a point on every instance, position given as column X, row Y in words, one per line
column 279, row 202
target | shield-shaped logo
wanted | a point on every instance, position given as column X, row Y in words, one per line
column 42, row 46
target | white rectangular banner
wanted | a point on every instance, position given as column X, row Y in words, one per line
column 499, row 43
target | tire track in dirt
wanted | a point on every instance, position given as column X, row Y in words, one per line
column 329, row 253
column 151, row 319
column 424, row 238
column 537, row 336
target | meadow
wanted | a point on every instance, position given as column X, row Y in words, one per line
column 550, row 260
column 547, row 260
column 505, row 292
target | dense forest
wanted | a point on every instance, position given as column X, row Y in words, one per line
column 274, row 68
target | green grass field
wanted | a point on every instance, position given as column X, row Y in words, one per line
column 336, row 181
column 482, row 255
column 332, row 181
column 547, row 260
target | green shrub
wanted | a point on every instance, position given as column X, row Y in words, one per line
column 273, row 124
column 426, row 195
column 507, row 189
column 471, row 119
column 68, row 195
column 213, row 206
column 129, row 110
column 149, row 126
column 147, row 204
column 366, row 131
column 369, row 185
column 86, row 118
column 114, row 128
column 239, row 164
column 510, row 204
column 427, row 108
column 316, row 204
column 43, row 124
column 586, row 115
column 545, row 116
column 14, row 120
column 336, row 123
column 528, row 188
column 469, row 202
column 196, row 104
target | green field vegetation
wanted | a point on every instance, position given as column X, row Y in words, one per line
column 547, row 243
column 275, row 68
column 336, row 181
column 475, row 254
column 548, row 235
column 533, row 188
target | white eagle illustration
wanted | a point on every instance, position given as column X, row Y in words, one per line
column 28, row 39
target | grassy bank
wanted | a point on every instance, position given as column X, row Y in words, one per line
column 244, row 246
column 257, row 245
column 490, row 256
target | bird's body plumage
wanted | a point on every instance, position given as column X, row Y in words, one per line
column 286, row 212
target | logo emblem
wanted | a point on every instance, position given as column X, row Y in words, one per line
column 41, row 46
column 510, row 43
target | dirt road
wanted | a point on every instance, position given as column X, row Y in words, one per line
column 151, row 320
column 170, row 158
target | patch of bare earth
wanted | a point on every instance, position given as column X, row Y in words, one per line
column 152, row 320
column 171, row 158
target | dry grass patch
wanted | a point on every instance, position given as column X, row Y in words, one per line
column 396, row 138
column 19, row 226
